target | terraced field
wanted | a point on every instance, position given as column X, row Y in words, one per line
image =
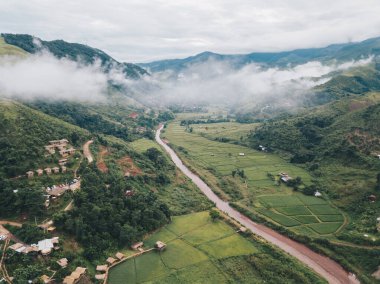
column 258, row 190
column 230, row 130
column 141, row 145
column 199, row 250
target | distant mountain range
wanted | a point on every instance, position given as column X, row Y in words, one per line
column 338, row 52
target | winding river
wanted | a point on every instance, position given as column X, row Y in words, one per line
column 324, row 266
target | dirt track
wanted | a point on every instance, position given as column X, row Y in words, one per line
column 87, row 152
column 324, row 266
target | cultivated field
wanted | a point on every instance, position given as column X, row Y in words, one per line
column 199, row 251
column 229, row 130
column 141, row 145
column 257, row 190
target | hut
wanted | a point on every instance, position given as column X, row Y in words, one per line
column 119, row 255
column 29, row 174
column 55, row 170
column 45, row 279
column 40, row 172
column 63, row 262
column 243, row 229
column 100, row 276
column 241, row 154
column 111, row 260
column 103, row 267
column 160, row 245
column 63, row 169
column 74, row 276
column 136, row 246
column 48, row 171
column 62, row 162
column 372, row 198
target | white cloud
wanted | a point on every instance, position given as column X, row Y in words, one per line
column 141, row 30
column 44, row 76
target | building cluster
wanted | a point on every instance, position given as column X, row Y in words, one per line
column 262, row 148
column 61, row 146
column 102, row 269
column 44, row 247
column 56, row 191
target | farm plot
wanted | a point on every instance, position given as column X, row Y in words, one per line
column 191, row 241
column 301, row 213
column 141, row 145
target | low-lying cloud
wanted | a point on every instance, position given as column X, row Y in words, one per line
column 45, row 76
column 216, row 82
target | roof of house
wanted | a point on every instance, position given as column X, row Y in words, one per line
column 16, row 246
column 160, row 244
column 110, row 260
column 137, row 245
column 63, row 262
column 101, row 267
column 47, row 244
column 45, row 278
column 119, row 255
column 100, row 276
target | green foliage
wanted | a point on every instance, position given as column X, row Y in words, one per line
column 29, row 234
column 214, row 214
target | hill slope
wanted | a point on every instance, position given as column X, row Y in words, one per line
column 73, row 51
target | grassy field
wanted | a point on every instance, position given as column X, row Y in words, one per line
column 257, row 190
column 7, row 49
column 143, row 144
column 198, row 251
column 229, row 130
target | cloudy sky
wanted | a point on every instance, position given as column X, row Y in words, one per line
column 145, row 30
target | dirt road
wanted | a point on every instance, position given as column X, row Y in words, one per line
column 87, row 152
column 324, row 266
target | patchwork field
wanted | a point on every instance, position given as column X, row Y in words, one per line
column 257, row 190
column 197, row 252
column 229, row 130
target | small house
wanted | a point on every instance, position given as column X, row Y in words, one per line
column 136, row 246
column 29, row 174
column 160, row 245
column 16, row 246
column 74, row 276
column 45, row 279
column 48, row 171
column 129, row 193
column 372, row 198
column 241, row 154
column 317, row 194
column 55, row 170
column 63, row 262
column 50, row 149
column 63, row 169
column 242, row 229
column 285, row 177
column 133, row 115
column 40, row 172
column 62, row 162
column 100, row 276
column 111, row 260
column 103, row 267
column 119, row 256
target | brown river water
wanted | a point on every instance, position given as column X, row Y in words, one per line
column 324, row 266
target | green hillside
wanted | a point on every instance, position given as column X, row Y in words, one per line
column 25, row 132
column 73, row 51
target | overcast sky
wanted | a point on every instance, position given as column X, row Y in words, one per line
column 146, row 30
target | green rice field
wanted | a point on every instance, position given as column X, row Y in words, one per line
column 265, row 196
column 143, row 144
column 197, row 252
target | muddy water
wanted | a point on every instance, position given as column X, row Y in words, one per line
column 322, row 265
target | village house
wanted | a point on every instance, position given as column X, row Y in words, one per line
column 241, row 154
column 45, row 279
column 50, row 149
column 55, row 170
column 133, row 115
column 62, row 162
column 111, row 260
column 57, row 191
column 137, row 246
column 74, row 276
column 372, row 198
column 63, row 262
column 102, row 267
column 45, row 246
column 140, row 129
column 119, row 255
column 317, row 194
column 48, row 171
column 285, row 177
column 100, row 276
column 63, row 169
column 243, row 229
column 29, row 174
column 262, row 148
column 59, row 142
column 160, row 245
column 40, row 172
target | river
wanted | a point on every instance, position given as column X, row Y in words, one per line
column 324, row 266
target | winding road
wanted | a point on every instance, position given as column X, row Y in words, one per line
column 324, row 266
column 87, row 152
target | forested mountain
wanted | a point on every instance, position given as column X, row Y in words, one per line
column 335, row 52
column 73, row 51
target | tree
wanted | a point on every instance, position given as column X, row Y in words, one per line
column 214, row 214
